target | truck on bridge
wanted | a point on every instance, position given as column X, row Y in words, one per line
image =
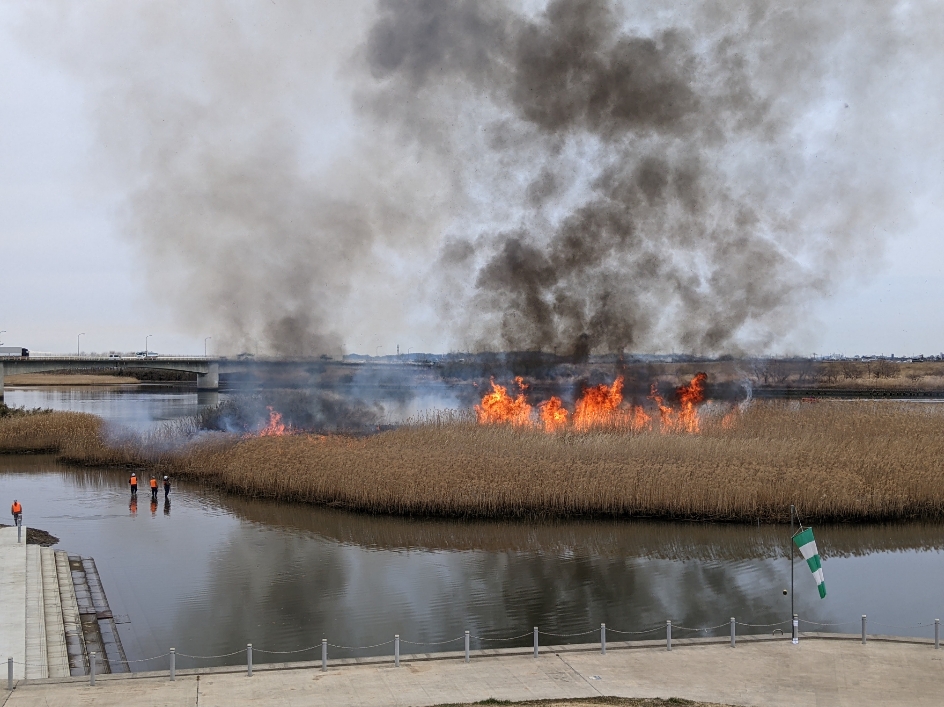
column 13, row 352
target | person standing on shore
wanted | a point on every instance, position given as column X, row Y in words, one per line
column 166, row 488
column 17, row 510
column 153, row 489
column 134, row 485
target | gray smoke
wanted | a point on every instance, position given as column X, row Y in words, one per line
column 656, row 184
column 577, row 175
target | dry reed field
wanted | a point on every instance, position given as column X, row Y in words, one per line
column 838, row 461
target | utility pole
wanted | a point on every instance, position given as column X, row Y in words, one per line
column 205, row 339
column 78, row 343
column 146, row 344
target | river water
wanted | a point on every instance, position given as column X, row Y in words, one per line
column 212, row 572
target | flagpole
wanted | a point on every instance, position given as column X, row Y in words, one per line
column 792, row 511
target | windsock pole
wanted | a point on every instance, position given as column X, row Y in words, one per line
column 792, row 607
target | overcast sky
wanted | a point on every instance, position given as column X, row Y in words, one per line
column 70, row 263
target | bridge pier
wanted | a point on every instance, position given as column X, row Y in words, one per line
column 211, row 379
column 1, row 381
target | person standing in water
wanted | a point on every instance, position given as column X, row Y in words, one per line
column 166, row 488
column 153, row 489
column 134, row 485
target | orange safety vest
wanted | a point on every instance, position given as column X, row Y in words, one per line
column 153, row 483
column 17, row 508
column 134, row 480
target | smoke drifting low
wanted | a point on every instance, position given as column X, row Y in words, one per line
column 577, row 176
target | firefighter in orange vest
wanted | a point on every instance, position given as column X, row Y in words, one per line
column 134, row 485
column 154, row 489
column 17, row 510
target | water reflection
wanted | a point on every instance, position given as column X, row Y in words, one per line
column 141, row 407
column 222, row 571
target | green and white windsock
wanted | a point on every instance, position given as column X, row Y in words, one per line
column 807, row 545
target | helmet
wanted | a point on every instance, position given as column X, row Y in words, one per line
column 165, row 478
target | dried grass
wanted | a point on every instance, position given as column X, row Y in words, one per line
column 848, row 461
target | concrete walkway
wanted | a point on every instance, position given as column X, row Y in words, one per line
column 13, row 599
column 765, row 672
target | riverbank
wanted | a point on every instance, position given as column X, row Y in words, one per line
column 837, row 461
column 35, row 536
column 42, row 379
column 769, row 672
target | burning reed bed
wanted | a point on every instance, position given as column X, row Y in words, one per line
column 838, row 461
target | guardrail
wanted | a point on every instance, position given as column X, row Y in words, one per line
column 535, row 634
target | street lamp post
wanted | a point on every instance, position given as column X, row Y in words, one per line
column 205, row 339
column 78, row 343
column 146, row 344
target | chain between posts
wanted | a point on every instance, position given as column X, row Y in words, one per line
column 658, row 627
column 436, row 643
column 360, row 648
column 707, row 628
column 636, row 633
column 211, row 657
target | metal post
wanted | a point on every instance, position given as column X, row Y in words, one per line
column 792, row 607
column 19, row 529
column 173, row 665
column 668, row 635
column 249, row 659
column 732, row 632
column 937, row 634
column 396, row 650
column 466, row 646
column 796, row 629
column 324, row 654
column 863, row 629
column 602, row 639
column 9, row 673
column 535, row 641
column 92, row 668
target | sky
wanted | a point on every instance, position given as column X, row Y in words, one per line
column 72, row 262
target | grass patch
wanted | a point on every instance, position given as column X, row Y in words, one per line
column 838, row 461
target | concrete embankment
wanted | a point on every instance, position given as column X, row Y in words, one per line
column 770, row 671
column 53, row 613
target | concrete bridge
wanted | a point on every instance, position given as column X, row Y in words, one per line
column 207, row 369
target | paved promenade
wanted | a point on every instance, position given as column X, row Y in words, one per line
column 819, row 671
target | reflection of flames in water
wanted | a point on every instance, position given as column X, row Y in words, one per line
column 600, row 407
column 275, row 428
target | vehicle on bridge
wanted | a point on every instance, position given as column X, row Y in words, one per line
column 146, row 354
column 13, row 352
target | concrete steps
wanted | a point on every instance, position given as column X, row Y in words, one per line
column 37, row 666
column 53, row 613
column 72, row 624
column 56, row 653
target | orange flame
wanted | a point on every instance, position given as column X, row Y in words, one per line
column 553, row 414
column 666, row 414
column 500, row 408
column 686, row 418
column 275, row 428
column 690, row 396
column 599, row 406
column 641, row 420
